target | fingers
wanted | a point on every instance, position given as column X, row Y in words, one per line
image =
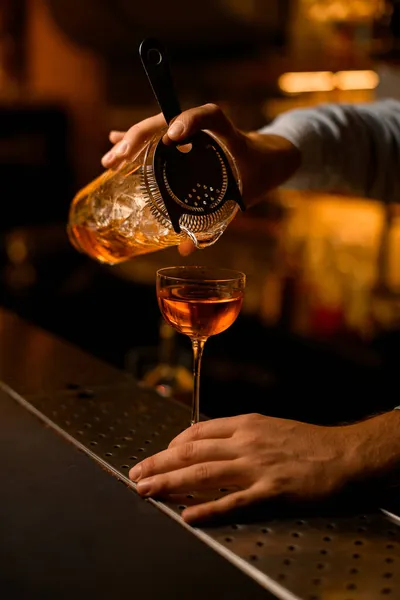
column 116, row 136
column 186, row 248
column 182, row 456
column 213, row 429
column 208, row 116
column 203, row 476
column 209, row 510
column 133, row 140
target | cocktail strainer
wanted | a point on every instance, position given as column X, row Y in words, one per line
column 193, row 186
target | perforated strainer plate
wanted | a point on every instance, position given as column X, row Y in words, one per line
column 330, row 557
column 196, row 185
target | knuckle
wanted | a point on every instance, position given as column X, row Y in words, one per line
column 252, row 417
column 278, row 484
column 198, row 117
column 189, row 120
column 148, row 466
column 248, row 425
column 213, row 108
column 197, row 430
column 238, row 500
column 246, row 422
column 133, row 130
column 251, row 440
column 202, row 473
column 159, row 485
column 137, row 131
column 261, row 462
column 248, row 440
column 186, row 452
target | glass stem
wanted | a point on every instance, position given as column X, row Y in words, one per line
column 198, row 347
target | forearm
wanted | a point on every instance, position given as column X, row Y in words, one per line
column 349, row 148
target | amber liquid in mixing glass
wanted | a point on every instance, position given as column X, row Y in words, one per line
column 111, row 221
column 199, row 311
column 107, row 245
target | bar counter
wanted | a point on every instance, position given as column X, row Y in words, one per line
column 72, row 524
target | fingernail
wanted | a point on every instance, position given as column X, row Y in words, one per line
column 121, row 148
column 186, row 248
column 108, row 158
column 176, row 130
column 143, row 487
column 187, row 516
column 135, row 473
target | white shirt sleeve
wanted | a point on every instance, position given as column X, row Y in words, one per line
column 345, row 148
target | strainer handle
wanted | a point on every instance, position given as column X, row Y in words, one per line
column 155, row 62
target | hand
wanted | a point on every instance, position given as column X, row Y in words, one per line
column 264, row 161
column 265, row 457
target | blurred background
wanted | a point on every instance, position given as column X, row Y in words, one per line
column 319, row 335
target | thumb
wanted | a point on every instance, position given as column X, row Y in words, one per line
column 209, row 116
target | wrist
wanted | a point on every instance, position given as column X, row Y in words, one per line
column 274, row 160
column 373, row 445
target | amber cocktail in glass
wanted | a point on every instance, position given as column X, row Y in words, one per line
column 199, row 302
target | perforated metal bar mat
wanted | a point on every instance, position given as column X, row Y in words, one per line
column 109, row 416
